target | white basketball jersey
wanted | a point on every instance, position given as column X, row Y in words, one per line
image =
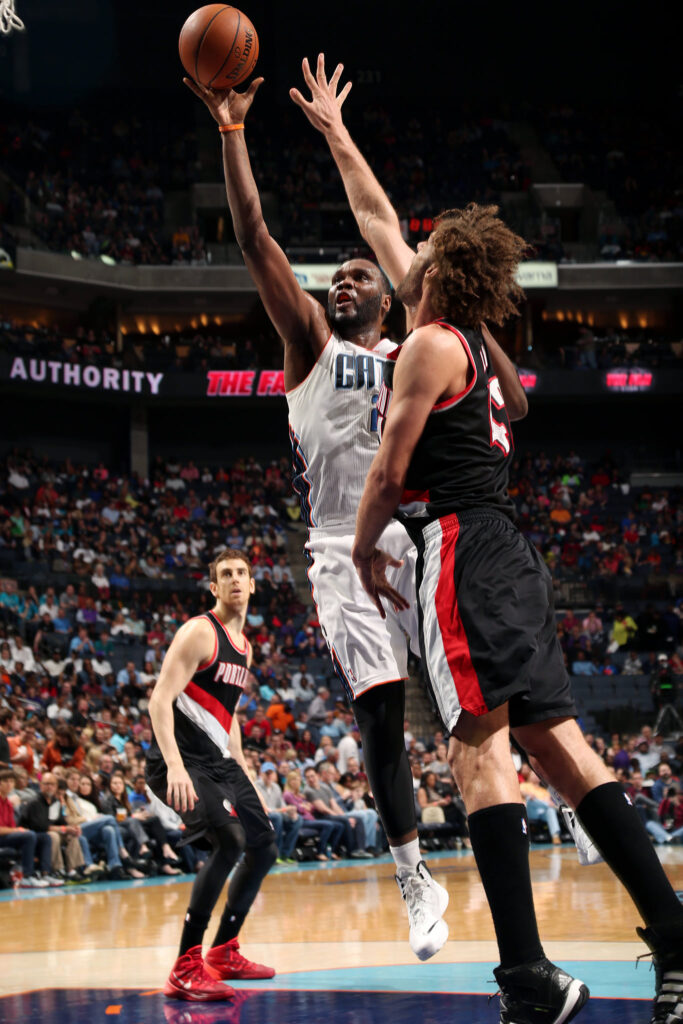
column 333, row 430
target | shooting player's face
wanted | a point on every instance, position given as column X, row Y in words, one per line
column 356, row 297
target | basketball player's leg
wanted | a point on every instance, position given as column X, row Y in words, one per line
column 224, row 960
column 479, row 755
column 380, row 713
column 228, row 842
column 369, row 655
column 614, row 825
column 370, row 658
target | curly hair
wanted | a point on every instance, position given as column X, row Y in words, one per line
column 476, row 256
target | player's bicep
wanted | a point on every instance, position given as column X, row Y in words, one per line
column 192, row 645
column 418, row 384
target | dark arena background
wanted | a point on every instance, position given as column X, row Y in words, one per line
column 144, row 425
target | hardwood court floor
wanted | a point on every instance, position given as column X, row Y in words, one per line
column 338, row 938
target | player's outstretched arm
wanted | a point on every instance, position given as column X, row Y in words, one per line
column 192, row 645
column 376, row 217
column 514, row 394
column 297, row 317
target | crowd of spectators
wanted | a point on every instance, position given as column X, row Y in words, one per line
column 101, row 569
column 631, row 158
column 592, row 525
column 96, row 184
column 612, row 348
column 197, row 350
column 222, row 348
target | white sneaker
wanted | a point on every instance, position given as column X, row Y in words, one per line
column 426, row 901
column 585, row 847
column 33, row 882
column 53, row 880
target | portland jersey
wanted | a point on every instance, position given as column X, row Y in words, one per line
column 333, row 430
column 202, row 713
column 462, row 458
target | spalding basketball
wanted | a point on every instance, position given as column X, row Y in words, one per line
column 218, row 46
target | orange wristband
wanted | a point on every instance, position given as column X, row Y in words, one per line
column 223, row 128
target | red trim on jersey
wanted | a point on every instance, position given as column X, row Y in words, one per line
column 232, row 642
column 408, row 496
column 292, row 390
column 207, row 664
column 454, row 399
column 452, row 630
column 210, row 704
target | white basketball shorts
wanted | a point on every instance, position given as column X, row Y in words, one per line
column 366, row 649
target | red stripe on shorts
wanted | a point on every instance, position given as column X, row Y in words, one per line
column 452, row 630
column 210, row 704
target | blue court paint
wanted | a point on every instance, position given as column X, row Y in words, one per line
column 80, row 1006
column 607, row 979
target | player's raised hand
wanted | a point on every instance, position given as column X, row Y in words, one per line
column 227, row 106
column 180, row 794
column 372, row 573
column 323, row 109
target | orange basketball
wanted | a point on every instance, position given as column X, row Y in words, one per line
column 218, row 46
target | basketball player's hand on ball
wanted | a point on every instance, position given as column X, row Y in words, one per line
column 227, row 106
column 180, row 794
column 372, row 572
column 324, row 108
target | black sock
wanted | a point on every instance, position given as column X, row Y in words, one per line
column 231, row 922
column 193, row 930
column 616, row 828
column 500, row 842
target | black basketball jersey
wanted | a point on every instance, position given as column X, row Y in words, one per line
column 462, row 458
column 203, row 712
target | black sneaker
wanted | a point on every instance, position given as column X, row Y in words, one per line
column 539, row 993
column 667, row 956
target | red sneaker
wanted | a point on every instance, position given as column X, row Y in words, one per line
column 226, row 962
column 190, row 980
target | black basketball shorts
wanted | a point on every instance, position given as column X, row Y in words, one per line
column 226, row 796
column 487, row 621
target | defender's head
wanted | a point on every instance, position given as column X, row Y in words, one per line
column 469, row 264
column 359, row 296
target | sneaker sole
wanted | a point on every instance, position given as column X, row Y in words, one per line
column 171, row 992
column 435, row 939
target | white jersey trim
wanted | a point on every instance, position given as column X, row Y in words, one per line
column 205, row 721
column 443, row 684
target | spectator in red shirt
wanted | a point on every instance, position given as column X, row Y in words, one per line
column 261, row 721
column 24, row 840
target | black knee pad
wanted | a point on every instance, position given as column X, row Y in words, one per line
column 250, row 872
column 379, row 714
column 229, row 841
column 261, row 858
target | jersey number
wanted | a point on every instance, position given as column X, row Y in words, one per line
column 500, row 435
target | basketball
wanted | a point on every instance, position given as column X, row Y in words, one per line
column 218, row 46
